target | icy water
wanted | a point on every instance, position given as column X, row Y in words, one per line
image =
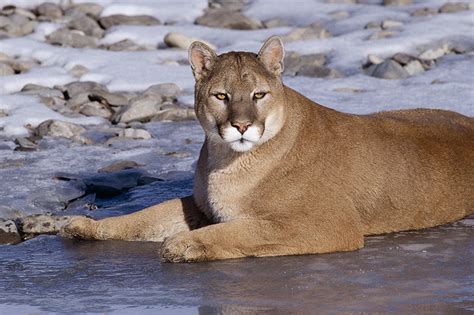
column 423, row 272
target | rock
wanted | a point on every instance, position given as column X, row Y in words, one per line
column 57, row 104
column 294, row 61
column 17, row 25
column 42, row 91
column 87, row 25
column 391, row 24
column 92, row 9
column 134, row 134
column 95, row 109
column 314, row 31
column 119, row 19
column 165, row 91
column 140, row 109
column 453, row 7
column 349, row 90
column 8, row 232
column 107, row 98
column 403, row 58
column 78, row 71
column 277, row 22
column 179, row 40
column 319, row 72
column 49, row 10
column 230, row 5
column 381, row 35
column 20, row 11
column 338, row 15
column 6, row 69
column 74, row 39
column 374, row 60
column 74, row 88
column 372, row 25
column 21, row 66
column 397, row 2
column 228, row 19
column 424, row 12
column 61, row 129
column 125, row 44
column 5, row 57
column 25, row 144
column 175, row 114
column 119, row 166
column 77, row 101
column 43, row 224
column 414, row 67
column 434, row 53
column 389, row 69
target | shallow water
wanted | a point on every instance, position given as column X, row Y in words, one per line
column 429, row 271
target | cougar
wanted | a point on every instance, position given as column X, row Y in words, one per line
column 279, row 174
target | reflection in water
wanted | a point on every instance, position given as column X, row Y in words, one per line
column 414, row 272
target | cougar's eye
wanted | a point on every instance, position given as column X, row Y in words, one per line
column 221, row 96
column 259, row 95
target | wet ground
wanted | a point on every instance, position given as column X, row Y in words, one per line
column 422, row 272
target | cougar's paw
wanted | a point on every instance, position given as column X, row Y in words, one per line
column 80, row 227
column 183, row 248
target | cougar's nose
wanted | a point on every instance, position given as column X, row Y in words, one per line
column 241, row 126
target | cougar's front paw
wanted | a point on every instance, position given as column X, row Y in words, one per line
column 183, row 248
column 80, row 227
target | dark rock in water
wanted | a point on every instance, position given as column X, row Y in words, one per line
column 119, row 166
column 8, row 232
column 228, row 19
column 119, row 19
column 389, row 69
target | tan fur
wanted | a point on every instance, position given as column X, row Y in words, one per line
column 317, row 181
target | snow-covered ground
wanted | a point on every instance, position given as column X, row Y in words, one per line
column 30, row 178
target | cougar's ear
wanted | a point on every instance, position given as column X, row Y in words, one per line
column 271, row 55
column 201, row 58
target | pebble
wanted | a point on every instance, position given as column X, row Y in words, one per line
column 319, row 72
column 294, row 61
column 6, row 69
column 9, row 232
column 453, row 7
column 25, row 144
column 414, row 67
column 119, row 19
column 224, row 18
column 389, row 69
column 17, row 25
column 74, row 88
column 125, row 45
column 95, row 109
column 276, row 22
column 87, row 25
column 61, row 129
column 89, row 8
column 74, row 39
column 175, row 113
column 141, row 109
column 165, row 91
column 78, row 71
column 314, row 31
column 434, row 53
column 182, row 41
column 403, row 58
column 397, row 2
column 135, row 134
column 424, row 12
column 381, row 35
column 374, row 59
column 49, row 10
column 391, row 24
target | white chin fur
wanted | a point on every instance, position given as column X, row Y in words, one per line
column 239, row 142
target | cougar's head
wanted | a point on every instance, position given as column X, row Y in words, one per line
column 239, row 97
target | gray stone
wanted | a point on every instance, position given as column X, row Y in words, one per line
column 21, row 66
column 78, row 71
column 132, row 133
column 434, row 53
column 77, row 101
column 294, row 61
column 397, row 2
column 6, row 69
column 49, row 10
column 230, row 5
column 71, row 38
column 4, row 57
column 391, row 24
column 340, row 14
column 228, row 19
column 119, row 166
column 319, row 72
column 74, row 88
column 43, row 224
column 95, row 109
column 182, row 41
column 374, row 59
column 61, row 129
column 381, row 35
column 175, row 114
column 453, row 7
column 125, row 45
column 424, row 12
column 414, row 67
column 277, row 22
column 87, row 25
column 89, row 8
column 314, row 31
column 140, row 109
column 25, row 144
column 108, row 98
column 119, row 19
column 373, row 25
column 403, row 58
column 9, row 232
column 57, row 104
column 389, row 69
column 165, row 91
column 18, row 25
column 43, row 91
